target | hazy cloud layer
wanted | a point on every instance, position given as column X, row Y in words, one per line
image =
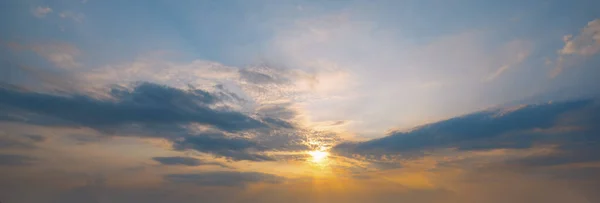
column 227, row 179
column 15, row 160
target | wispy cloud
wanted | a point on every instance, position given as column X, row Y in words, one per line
column 77, row 17
column 62, row 55
column 41, row 11
column 514, row 53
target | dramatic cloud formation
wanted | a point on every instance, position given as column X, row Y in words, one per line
column 147, row 104
column 504, row 128
column 146, row 110
column 299, row 101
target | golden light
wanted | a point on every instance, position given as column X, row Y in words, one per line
column 318, row 156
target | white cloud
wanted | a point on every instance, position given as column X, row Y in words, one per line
column 41, row 12
column 586, row 44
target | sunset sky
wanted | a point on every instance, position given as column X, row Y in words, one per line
column 299, row 101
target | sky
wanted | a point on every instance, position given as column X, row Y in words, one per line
column 299, row 101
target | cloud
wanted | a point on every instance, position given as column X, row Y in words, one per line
column 225, row 179
column 372, row 69
column 7, row 143
column 261, row 76
column 218, row 144
column 154, row 68
column 584, row 153
column 576, row 141
column 515, row 52
column 77, row 17
column 15, row 160
column 279, row 115
column 41, row 12
column 26, row 141
column 148, row 104
column 191, row 119
column 495, row 129
column 278, row 122
column 35, row 138
column 282, row 111
column 185, row 161
column 586, row 44
column 62, row 55
column 148, row 110
column 28, row 77
column 339, row 123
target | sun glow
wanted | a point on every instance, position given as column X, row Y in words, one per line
column 318, row 156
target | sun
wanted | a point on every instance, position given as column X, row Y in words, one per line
column 318, row 156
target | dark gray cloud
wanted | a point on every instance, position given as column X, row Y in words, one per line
column 185, row 161
column 582, row 146
column 146, row 105
column 15, row 160
column 224, row 178
column 235, row 148
column 516, row 128
column 147, row 110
